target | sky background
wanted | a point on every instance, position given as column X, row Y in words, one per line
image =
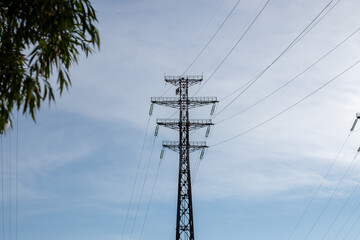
column 77, row 165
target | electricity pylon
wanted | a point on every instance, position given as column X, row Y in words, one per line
column 184, row 216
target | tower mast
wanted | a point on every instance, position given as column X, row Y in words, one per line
column 184, row 216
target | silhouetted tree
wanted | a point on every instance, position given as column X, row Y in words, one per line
column 40, row 39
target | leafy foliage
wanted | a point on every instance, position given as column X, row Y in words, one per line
column 40, row 39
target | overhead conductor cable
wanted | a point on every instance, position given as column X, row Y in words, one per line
column 343, row 206
column 137, row 172
column 331, row 197
column 292, row 44
column 233, row 48
column 318, row 188
column 213, row 36
column 288, row 108
column 291, row 80
column 143, row 185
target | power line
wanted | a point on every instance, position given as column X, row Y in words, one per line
column 291, row 80
column 154, row 224
column 187, row 52
column 172, row 234
column 357, row 235
column 197, row 166
column 318, row 188
column 306, row 32
column 348, row 219
column 213, row 36
column 292, row 44
column 199, row 158
column 352, row 227
column 166, row 91
column 241, row 87
column 143, row 187
column 354, row 224
column 288, row 108
column 151, row 195
column 233, row 48
column 329, row 199
column 317, row 21
column 200, row 35
column 341, row 210
column 136, row 177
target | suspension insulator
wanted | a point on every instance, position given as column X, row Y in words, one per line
column 151, row 109
column 354, row 125
column 207, row 131
column 162, row 153
column 202, row 153
column 212, row 109
column 156, row 130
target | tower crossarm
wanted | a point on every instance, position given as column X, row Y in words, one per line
column 175, row 124
column 176, row 102
column 193, row 145
column 201, row 101
column 190, row 79
column 173, row 102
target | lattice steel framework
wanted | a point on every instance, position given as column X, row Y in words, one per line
column 184, row 216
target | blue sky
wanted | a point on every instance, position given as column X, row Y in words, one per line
column 78, row 163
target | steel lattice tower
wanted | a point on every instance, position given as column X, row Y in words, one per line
column 184, row 216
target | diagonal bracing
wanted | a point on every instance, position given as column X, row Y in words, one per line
column 184, row 216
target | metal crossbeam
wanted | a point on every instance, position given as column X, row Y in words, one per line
column 175, row 124
column 191, row 80
column 176, row 102
column 193, row 145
